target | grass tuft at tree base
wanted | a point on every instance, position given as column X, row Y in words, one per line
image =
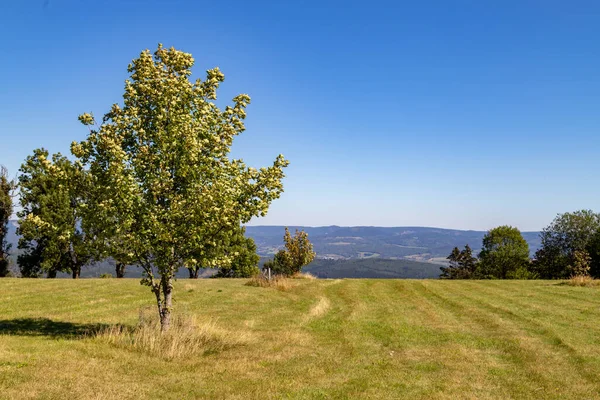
column 187, row 337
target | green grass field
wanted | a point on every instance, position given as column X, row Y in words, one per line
column 341, row 339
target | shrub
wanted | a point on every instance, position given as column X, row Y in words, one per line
column 581, row 264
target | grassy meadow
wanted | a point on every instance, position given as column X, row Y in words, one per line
column 317, row 339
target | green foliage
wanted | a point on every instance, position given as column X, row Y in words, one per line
column 462, row 264
column 160, row 164
column 281, row 264
column 593, row 250
column 30, row 259
column 504, row 254
column 244, row 262
column 6, row 208
column 106, row 276
column 581, row 263
column 567, row 234
column 52, row 192
column 299, row 249
column 298, row 253
column 523, row 272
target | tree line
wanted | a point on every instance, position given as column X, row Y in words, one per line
column 570, row 246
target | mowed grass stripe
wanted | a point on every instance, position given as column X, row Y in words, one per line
column 524, row 373
column 543, row 345
column 554, row 333
column 575, row 318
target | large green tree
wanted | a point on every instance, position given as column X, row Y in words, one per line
column 504, row 254
column 568, row 233
column 161, row 160
column 6, row 209
column 52, row 194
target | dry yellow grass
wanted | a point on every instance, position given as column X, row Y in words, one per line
column 583, row 280
column 304, row 275
column 320, row 308
column 186, row 338
column 277, row 282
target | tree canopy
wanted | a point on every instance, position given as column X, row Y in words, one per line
column 504, row 253
column 568, row 233
column 244, row 263
column 49, row 224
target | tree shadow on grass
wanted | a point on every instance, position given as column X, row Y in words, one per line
column 48, row 327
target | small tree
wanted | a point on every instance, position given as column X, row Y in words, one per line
column 581, row 263
column 504, row 252
column 298, row 253
column 6, row 208
column 449, row 272
column 281, row 264
column 461, row 264
column 52, row 191
column 161, row 160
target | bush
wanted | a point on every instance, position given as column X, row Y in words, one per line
column 106, row 276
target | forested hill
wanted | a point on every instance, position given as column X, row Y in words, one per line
column 337, row 242
column 353, row 252
column 413, row 243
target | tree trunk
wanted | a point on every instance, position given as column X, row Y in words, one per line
column 52, row 274
column 76, row 272
column 120, row 270
column 165, row 310
column 3, row 265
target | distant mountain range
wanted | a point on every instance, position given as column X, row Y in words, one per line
column 357, row 252
column 410, row 243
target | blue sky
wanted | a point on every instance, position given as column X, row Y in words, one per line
column 457, row 114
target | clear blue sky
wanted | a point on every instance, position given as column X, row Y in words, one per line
column 458, row 114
